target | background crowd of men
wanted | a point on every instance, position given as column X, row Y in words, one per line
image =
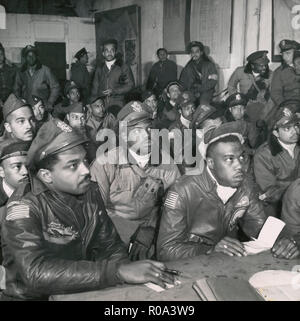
column 73, row 219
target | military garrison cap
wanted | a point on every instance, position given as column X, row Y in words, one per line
column 28, row 49
column 68, row 86
column 80, row 53
column 13, row 103
column 53, row 137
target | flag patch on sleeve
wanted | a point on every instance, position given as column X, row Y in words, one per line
column 17, row 212
column 171, row 200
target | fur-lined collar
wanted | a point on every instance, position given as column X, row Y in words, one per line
column 275, row 146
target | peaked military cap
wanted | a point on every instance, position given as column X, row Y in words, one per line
column 53, row 137
column 259, row 57
column 68, row 86
column 11, row 148
column 284, row 117
column 28, row 49
column 286, row 44
column 133, row 113
column 236, row 99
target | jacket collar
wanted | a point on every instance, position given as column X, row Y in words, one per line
column 118, row 63
column 275, row 146
column 37, row 186
column 3, row 195
column 37, row 67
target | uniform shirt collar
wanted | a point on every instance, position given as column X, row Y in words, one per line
column 185, row 122
column 224, row 192
column 110, row 63
column 141, row 160
column 255, row 74
column 290, row 148
column 7, row 189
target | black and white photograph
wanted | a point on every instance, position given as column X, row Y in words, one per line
column 149, row 153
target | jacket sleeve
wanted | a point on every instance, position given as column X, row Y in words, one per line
column 212, row 78
column 254, row 218
column 18, row 84
column 233, row 82
column 44, row 272
column 172, row 242
column 127, row 81
column 186, row 78
column 54, row 86
column 291, row 211
column 96, row 83
column 277, row 88
column 151, row 78
column 103, row 176
column 266, row 177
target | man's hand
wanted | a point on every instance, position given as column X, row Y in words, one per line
column 107, row 92
column 145, row 271
column 285, row 249
column 230, row 247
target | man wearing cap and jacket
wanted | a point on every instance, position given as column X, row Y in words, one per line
column 276, row 162
column 255, row 133
column 254, row 80
column 57, row 237
column 203, row 213
column 7, row 76
column 113, row 78
column 72, row 96
column 99, row 118
column 80, row 74
column 36, row 79
column 132, row 179
column 19, row 120
column 285, row 84
column 200, row 75
column 162, row 72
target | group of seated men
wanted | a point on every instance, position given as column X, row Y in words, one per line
column 82, row 211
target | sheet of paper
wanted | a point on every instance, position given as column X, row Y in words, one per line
column 158, row 288
column 267, row 236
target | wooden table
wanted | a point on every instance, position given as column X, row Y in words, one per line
column 214, row 265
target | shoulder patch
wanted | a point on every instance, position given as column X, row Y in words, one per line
column 17, row 212
column 171, row 200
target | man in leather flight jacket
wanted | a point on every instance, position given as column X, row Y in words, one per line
column 203, row 213
column 57, row 237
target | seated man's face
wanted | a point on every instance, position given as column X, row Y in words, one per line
column 71, row 173
column 98, row 108
column 227, row 162
column 174, row 92
column 288, row 134
column 77, row 120
column 14, row 171
column 21, row 124
column 152, row 103
column 74, row 95
column 139, row 138
column 237, row 112
column 39, row 111
column 109, row 52
column 297, row 65
column 188, row 111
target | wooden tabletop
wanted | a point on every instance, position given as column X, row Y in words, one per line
column 214, row 265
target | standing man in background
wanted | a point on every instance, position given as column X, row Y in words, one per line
column 36, row 79
column 162, row 72
column 80, row 74
column 113, row 78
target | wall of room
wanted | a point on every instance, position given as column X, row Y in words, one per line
column 24, row 29
column 252, row 30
